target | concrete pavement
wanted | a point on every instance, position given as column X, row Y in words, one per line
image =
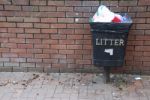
column 72, row 86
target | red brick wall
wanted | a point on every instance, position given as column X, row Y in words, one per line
column 46, row 35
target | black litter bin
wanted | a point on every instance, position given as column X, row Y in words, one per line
column 109, row 43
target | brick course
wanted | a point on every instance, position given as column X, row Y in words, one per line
column 53, row 34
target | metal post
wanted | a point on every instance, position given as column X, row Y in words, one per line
column 107, row 74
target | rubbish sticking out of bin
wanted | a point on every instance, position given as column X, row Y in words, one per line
column 103, row 14
column 109, row 38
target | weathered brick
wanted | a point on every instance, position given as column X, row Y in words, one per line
column 4, row 40
column 64, row 8
column 15, row 19
column 143, row 14
column 6, row 24
column 58, row 26
column 11, row 7
column 83, row 62
column 47, row 8
column 144, row 2
column 25, row 25
column 50, row 51
column 8, row 45
column 65, row 20
column 56, row 3
column 35, row 41
column 142, row 48
column 139, row 20
column 90, row 3
column 36, row 69
column 147, row 32
column 27, row 64
column 136, row 9
column 16, row 40
column 32, row 30
column 49, row 31
column 146, row 63
column 82, row 9
column 24, row 46
column 74, row 47
column 82, row 31
column 5, row 2
column 135, row 42
column 49, row 20
column 18, row 51
column 128, row 3
column 3, row 29
column 9, row 35
column 73, row 14
column 30, row 19
column 37, row 2
column 82, row 52
column 87, row 57
column 81, row 20
column 58, row 46
column 66, row 51
column 76, row 26
column 4, row 59
column 66, row 31
column 66, row 42
column 16, row 30
column 42, row 65
column 19, row 69
column 66, row 61
column 40, row 36
column 142, row 26
column 148, row 20
column 30, row 8
column 42, row 56
column 41, row 25
column 2, row 19
column 74, row 36
column 9, row 55
column 34, row 60
column 24, row 55
column 89, row 15
column 59, row 65
column 58, row 56
column 18, row 59
column 109, row 3
column 4, row 50
column 58, row 36
column 6, row 69
column 40, row 46
column 136, row 32
column 50, row 60
column 48, row 41
column 1, row 7
column 11, row 64
column 34, row 51
column 25, row 36
column 87, row 47
column 143, row 37
column 20, row 2
column 87, row 36
column 119, row 9
column 73, row 3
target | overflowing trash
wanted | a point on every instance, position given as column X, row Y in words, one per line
column 103, row 14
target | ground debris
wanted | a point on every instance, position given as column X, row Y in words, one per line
column 4, row 83
column 27, row 82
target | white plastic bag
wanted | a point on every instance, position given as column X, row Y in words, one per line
column 103, row 15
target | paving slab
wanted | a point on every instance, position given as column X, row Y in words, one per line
column 72, row 86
